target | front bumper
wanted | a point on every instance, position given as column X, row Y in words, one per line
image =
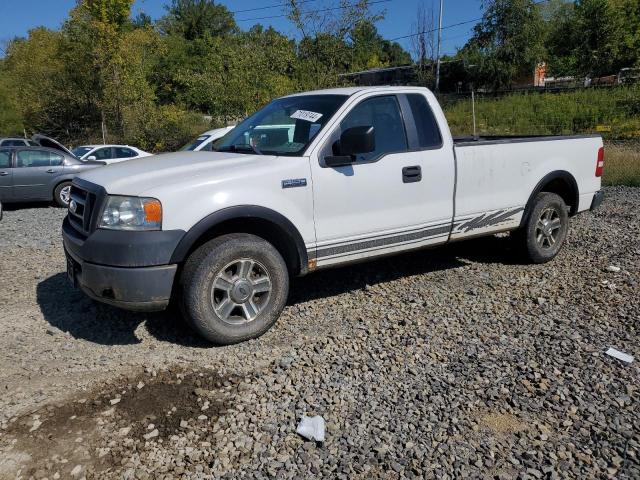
column 130, row 270
column 598, row 197
column 138, row 288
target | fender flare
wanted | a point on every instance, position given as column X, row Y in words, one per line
column 549, row 177
column 243, row 212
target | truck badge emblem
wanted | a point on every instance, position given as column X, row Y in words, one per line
column 294, row 182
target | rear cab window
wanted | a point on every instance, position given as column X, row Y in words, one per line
column 427, row 130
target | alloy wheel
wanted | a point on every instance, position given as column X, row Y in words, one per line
column 240, row 291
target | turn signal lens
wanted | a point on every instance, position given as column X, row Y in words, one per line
column 600, row 162
column 152, row 210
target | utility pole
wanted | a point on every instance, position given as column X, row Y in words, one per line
column 439, row 41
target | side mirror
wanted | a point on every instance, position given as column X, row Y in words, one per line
column 353, row 141
column 91, row 157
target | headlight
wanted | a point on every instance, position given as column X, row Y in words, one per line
column 131, row 213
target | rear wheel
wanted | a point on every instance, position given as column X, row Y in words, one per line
column 546, row 228
column 234, row 288
column 62, row 194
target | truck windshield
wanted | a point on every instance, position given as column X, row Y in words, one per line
column 285, row 126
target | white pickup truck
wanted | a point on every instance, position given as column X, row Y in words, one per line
column 313, row 180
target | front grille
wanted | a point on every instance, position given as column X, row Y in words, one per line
column 85, row 203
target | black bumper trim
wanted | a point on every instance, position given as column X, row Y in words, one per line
column 119, row 248
column 598, row 197
column 137, row 289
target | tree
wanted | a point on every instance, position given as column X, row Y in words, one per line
column 32, row 80
column 507, row 44
column 325, row 51
column 423, row 43
column 193, row 19
column 370, row 50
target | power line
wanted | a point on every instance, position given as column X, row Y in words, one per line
column 307, row 12
column 451, row 26
column 276, row 5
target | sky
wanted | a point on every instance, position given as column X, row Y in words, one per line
column 17, row 17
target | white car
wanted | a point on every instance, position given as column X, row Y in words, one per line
column 206, row 140
column 109, row 153
column 311, row 181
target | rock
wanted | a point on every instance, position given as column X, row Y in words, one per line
column 76, row 471
column 36, row 425
column 613, row 268
column 151, row 435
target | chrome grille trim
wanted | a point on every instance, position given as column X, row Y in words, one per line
column 85, row 202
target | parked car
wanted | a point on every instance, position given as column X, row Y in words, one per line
column 628, row 76
column 17, row 142
column 207, row 139
column 109, row 153
column 367, row 172
column 30, row 173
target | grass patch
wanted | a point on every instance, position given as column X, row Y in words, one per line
column 621, row 166
column 614, row 112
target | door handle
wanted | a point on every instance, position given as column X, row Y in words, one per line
column 51, row 170
column 4, row 174
column 411, row 174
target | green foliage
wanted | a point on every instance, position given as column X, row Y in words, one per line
column 192, row 19
column 370, row 50
column 507, row 44
column 154, row 85
column 109, row 12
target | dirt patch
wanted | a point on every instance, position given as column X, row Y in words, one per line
column 56, row 438
column 503, row 423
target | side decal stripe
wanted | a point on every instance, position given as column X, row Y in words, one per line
column 387, row 241
column 373, row 250
column 485, row 221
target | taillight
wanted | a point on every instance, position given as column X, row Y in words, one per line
column 600, row 162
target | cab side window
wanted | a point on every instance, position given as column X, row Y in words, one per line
column 383, row 113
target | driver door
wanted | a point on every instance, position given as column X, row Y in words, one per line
column 397, row 197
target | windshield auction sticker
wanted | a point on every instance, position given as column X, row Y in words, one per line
column 306, row 115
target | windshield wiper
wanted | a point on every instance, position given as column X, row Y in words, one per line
column 240, row 148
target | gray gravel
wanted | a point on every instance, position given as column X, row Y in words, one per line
column 451, row 363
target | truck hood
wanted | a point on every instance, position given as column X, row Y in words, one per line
column 136, row 176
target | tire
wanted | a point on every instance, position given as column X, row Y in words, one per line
column 62, row 195
column 546, row 229
column 223, row 302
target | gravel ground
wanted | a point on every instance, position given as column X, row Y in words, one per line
column 450, row 363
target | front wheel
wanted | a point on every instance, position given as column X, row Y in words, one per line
column 62, row 194
column 546, row 228
column 233, row 288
